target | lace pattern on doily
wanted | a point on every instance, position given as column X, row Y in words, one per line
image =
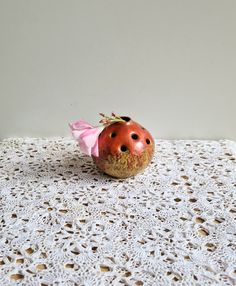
column 62, row 222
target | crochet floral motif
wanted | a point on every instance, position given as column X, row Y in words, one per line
column 62, row 222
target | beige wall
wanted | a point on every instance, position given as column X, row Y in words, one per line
column 171, row 65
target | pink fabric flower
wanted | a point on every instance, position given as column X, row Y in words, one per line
column 87, row 136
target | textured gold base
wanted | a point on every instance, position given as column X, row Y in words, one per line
column 124, row 165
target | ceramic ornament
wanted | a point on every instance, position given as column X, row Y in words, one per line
column 120, row 147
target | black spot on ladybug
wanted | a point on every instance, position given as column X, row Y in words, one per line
column 134, row 136
column 123, row 148
column 125, row 118
column 113, row 134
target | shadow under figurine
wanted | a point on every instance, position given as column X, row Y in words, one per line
column 121, row 148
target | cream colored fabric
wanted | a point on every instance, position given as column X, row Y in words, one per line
column 62, row 222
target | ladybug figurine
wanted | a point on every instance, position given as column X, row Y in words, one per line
column 125, row 148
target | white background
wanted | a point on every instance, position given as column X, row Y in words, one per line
column 170, row 65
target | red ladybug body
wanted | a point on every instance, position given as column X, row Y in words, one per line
column 125, row 149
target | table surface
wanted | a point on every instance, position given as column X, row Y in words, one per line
column 63, row 222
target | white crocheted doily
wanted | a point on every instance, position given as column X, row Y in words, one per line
column 62, row 222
